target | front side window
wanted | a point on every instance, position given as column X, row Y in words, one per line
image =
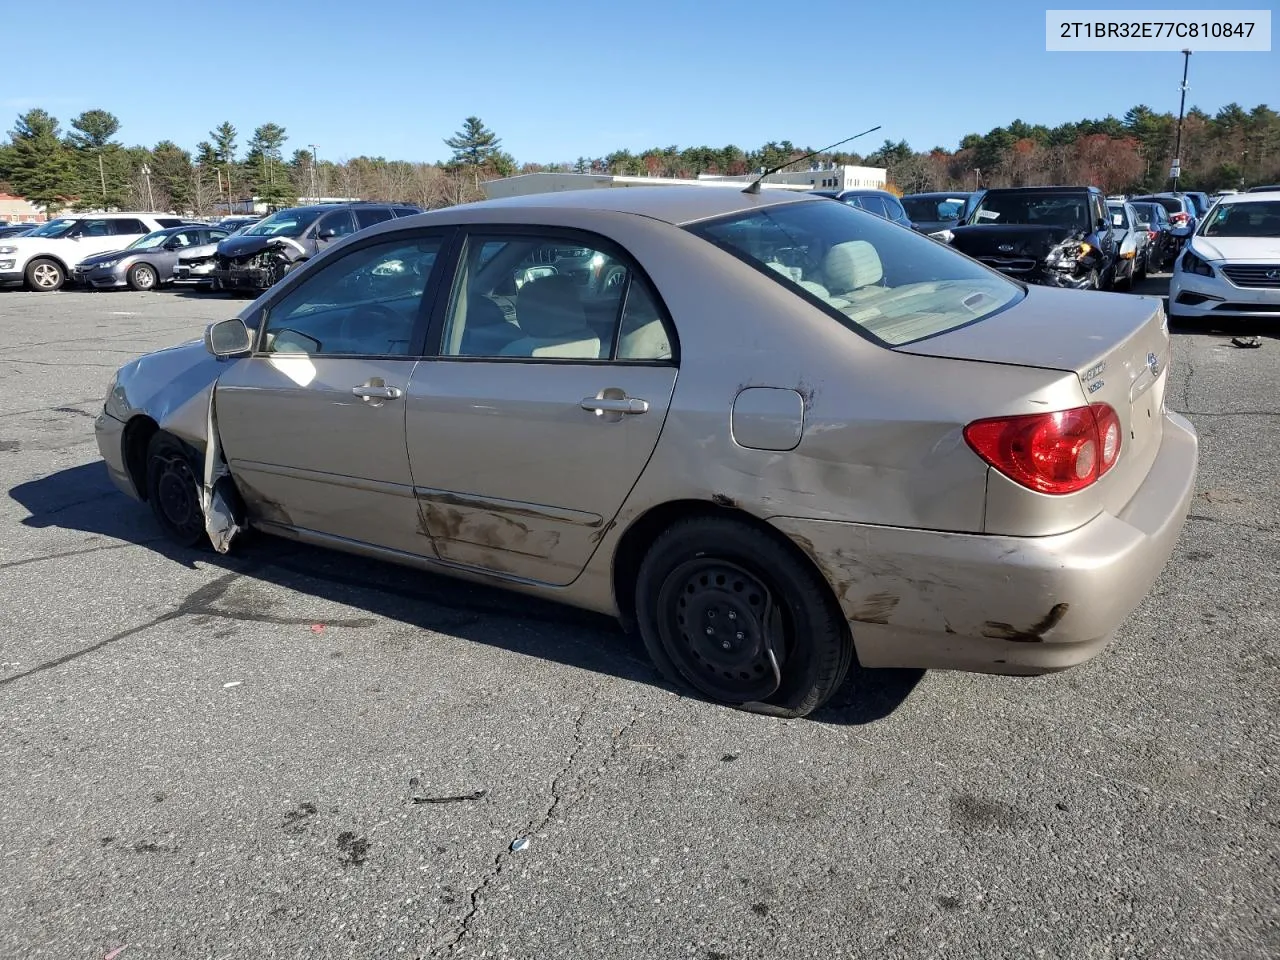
column 933, row 209
column 893, row 285
column 366, row 303
column 335, row 225
column 1260, row 219
column 546, row 298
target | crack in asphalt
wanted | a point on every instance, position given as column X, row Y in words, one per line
column 1231, row 413
column 20, row 413
column 200, row 602
column 1232, row 523
column 76, row 553
column 538, row 824
column 1186, row 383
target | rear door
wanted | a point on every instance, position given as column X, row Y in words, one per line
column 555, row 371
column 312, row 424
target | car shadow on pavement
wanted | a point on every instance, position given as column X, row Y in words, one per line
column 83, row 499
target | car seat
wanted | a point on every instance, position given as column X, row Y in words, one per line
column 551, row 316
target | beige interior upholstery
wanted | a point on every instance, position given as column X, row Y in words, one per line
column 850, row 267
column 553, row 321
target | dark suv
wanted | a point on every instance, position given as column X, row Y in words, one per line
column 1054, row 236
column 256, row 258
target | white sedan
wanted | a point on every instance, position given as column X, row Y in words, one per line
column 1230, row 269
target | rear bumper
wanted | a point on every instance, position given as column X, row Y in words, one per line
column 995, row 604
column 110, row 435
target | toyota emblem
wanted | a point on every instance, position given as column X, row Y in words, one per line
column 1153, row 364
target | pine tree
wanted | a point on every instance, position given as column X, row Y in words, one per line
column 37, row 163
column 474, row 146
column 264, row 164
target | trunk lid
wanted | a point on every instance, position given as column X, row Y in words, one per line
column 1116, row 344
column 1014, row 240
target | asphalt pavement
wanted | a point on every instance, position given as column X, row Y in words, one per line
column 287, row 752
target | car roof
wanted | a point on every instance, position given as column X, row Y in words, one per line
column 1046, row 189
column 939, row 193
column 1251, row 197
column 1265, row 188
column 675, row 205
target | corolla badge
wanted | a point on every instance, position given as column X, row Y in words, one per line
column 1005, row 248
column 1153, row 364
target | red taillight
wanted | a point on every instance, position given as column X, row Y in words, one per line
column 1152, row 234
column 1179, row 218
column 1050, row 452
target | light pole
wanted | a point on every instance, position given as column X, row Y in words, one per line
column 1175, row 170
column 315, row 161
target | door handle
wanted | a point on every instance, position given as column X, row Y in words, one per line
column 630, row 405
column 377, row 390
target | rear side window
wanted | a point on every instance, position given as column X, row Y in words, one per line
column 406, row 211
column 170, row 222
column 889, row 284
column 894, row 208
column 871, row 205
column 127, row 227
column 368, row 216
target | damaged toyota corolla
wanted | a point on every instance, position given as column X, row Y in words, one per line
column 779, row 436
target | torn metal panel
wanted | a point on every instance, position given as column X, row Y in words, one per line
column 218, row 498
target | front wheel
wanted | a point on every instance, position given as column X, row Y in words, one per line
column 726, row 609
column 45, row 276
column 142, row 276
column 173, row 490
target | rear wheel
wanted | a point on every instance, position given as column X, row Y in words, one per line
column 727, row 610
column 45, row 276
column 142, row 276
column 173, row 490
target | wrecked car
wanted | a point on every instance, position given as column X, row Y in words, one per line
column 257, row 257
column 1052, row 236
column 779, row 436
column 147, row 263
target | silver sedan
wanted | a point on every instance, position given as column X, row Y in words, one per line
column 779, row 436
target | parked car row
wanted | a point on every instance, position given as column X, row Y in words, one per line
column 144, row 251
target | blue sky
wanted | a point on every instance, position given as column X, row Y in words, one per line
column 557, row 80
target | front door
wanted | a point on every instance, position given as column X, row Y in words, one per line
column 312, row 424
column 529, row 430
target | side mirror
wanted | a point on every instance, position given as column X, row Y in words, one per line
column 227, row 338
column 172, row 245
column 327, row 234
column 1104, row 223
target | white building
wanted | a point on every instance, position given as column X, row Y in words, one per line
column 528, row 183
column 818, row 177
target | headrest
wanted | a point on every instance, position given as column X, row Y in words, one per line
column 550, row 307
column 851, row 265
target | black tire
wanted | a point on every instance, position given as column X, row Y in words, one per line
column 1095, row 280
column 1124, row 285
column 45, row 275
column 768, row 601
column 173, row 490
column 1146, row 265
column 143, row 276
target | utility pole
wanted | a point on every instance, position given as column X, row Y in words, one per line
column 1175, row 170
column 151, row 200
column 315, row 161
column 102, row 176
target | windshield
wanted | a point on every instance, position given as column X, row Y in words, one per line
column 54, row 228
column 1261, row 219
column 1038, row 209
column 286, row 223
column 150, row 241
column 894, row 285
column 928, row 209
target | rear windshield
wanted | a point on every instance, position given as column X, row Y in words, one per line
column 1036, row 209
column 1171, row 204
column 891, row 284
column 1244, row 220
column 933, row 209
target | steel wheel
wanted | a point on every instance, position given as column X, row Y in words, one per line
column 45, row 275
column 142, row 277
column 173, row 490
column 723, row 630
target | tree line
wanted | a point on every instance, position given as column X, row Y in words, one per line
column 88, row 167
